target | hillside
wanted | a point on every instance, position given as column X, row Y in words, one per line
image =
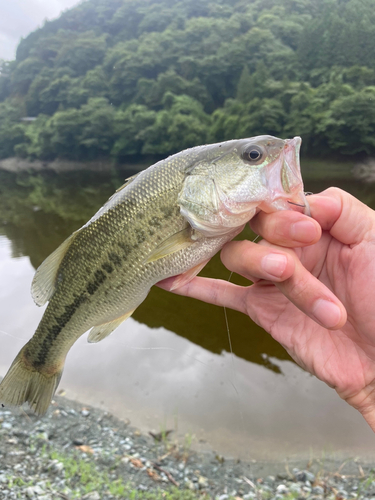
column 126, row 78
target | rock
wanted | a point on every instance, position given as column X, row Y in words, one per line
column 202, row 482
column 303, row 475
column 282, row 489
column 342, row 493
column 57, row 466
column 93, row 495
column 33, row 491
column 189, row 484
column 318, row 490
column 270, row 480
column 295, row 488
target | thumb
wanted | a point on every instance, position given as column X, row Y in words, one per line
column 346, row 218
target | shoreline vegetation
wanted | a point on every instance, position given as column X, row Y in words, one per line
column 83, row 452
column 312, row 169
column 125, row 79
column 17, row 165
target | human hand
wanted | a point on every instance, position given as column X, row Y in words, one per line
column 313, row 290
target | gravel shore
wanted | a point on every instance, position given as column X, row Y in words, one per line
column 83, row 452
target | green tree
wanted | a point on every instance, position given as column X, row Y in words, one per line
column 130, row 128
column 349, row 124
column 181, row 125
column 12, row 130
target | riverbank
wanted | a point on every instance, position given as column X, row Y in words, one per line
column 17, row 165
column 311, row 168
column 84, row 452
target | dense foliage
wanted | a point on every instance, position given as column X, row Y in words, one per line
column 135, row 77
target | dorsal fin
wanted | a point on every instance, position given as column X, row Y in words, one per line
column 44, row 281
column 128, row 181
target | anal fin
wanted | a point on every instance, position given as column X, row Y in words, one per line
column 100, row 332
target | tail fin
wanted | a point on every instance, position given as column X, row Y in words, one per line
column 24, row 384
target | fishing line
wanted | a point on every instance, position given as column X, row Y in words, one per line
column 233, row 381
column 233, row 368
column 12, row 336
column 160, row 348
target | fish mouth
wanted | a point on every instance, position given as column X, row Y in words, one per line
column 293, row 146
column 300, row 204
column 297, row 201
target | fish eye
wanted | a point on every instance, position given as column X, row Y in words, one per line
column 252, row 154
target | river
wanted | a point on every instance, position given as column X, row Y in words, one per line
column 170, row 366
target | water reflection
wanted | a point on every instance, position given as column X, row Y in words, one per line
column 169, row 362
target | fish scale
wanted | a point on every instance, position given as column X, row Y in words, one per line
column 168, row 220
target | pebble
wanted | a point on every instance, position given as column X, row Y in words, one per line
column 318, row 490
column 281, row 488
column 27, row 444
column 93, row 495
column 202, row 482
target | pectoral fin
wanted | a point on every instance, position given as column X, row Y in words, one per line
column 100, row 332
column 184, row 278
column 174, row 243
column 44, row 281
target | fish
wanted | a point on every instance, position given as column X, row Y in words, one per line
column 166, row 221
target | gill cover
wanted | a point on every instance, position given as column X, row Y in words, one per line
column 224, row 191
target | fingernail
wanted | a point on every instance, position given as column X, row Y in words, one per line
column 274, row 264
column 303, row 231
column 327, row 313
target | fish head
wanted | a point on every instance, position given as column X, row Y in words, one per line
column 231, row 181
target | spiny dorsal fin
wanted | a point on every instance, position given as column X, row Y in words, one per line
column 100, row 332
column 127, row 182
column 44, row 281
column 174, row 243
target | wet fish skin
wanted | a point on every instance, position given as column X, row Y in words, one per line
column 168, row 220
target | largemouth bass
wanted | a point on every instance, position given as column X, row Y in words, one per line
column 166, row 221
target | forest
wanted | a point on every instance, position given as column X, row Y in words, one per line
column 122, row 79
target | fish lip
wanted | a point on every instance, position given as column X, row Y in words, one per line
column 299, row 201
column 294, row 143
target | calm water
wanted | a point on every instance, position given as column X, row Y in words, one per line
column 169, row 366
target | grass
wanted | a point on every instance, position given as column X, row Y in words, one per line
column 82, row 476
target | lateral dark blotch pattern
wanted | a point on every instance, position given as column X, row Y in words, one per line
column 126, row 248
column 54, row 330
column 107, row 267
column 155, row 222
column 141, row 236
column 114, row 258
column 99, row 278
